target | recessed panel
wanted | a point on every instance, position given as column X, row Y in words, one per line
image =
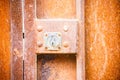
column 56, row 67
column 55, row 8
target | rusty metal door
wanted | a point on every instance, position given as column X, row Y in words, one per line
column 36, row 55
column 50, row 39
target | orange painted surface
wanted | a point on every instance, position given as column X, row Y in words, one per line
column 56, row 8
column 102, row 22
column 4, row 40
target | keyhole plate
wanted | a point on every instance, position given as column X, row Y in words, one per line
column 64, row 34
column 52, row 40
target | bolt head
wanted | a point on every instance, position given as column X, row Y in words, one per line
column 39, row 44
column 66, row 28
column 39, row 28
column 65, row 44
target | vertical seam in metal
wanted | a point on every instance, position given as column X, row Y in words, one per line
column 23, row 31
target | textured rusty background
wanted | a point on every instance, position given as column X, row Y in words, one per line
column 102, row 22
column 4, row 40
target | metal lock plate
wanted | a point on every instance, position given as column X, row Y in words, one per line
column 52, row 40
column 56, row 36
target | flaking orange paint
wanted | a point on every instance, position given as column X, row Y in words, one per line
column 102, row 23
column 4, row 40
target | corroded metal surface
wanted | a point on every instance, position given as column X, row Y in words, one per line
column 56, row 67
column 16, row 40
column 70, row 36
column 102, row 21
column 30, row 41
column 4, row 40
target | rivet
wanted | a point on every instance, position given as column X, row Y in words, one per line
column 59, row 34
column 39, row 28
column 65, row 44
column 66, row 28
column 59, row 47
column 46, row 34
column 46, row 48
column 39, row 44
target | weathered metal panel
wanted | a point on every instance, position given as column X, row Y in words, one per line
column 69, row 38
column 30, row 41
column 16, row 40
column 56, row 9
column 30, row 69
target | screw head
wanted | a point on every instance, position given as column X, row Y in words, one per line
column 65, row 44
column 39, row 28
column 46, row 34
column 39, row 44
column 66, row 28
column 46, row 48
column 59, row 34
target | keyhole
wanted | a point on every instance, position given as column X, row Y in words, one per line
column 53, row 41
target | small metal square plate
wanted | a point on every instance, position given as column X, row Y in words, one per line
column 52, row 40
